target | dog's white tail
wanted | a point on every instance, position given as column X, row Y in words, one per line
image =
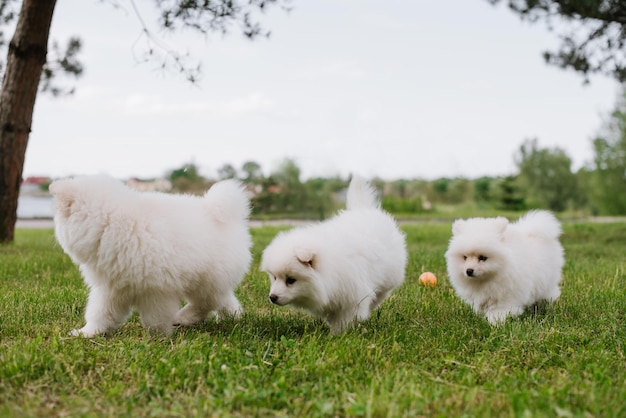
column 541, row 223
column 228, row 201
column 361, row 195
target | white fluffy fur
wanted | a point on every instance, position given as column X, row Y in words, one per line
column 150, row 251
column 340, row 269
column 500, row 268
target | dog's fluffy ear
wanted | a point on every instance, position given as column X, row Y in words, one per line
column 457, row 226
column 64, row 194
column 501, row 224
column 306, row 256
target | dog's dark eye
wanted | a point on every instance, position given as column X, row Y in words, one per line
column 482, row 258
column 464, row 257
column 290, row 281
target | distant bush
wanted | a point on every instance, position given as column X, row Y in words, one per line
column 394, row 204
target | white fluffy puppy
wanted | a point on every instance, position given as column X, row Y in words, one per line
column 340, row 269
column 150, row 251
column 500, row 268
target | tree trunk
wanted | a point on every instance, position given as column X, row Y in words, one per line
column 25, row 61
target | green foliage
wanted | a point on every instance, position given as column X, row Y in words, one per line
column 610, row 163
column 8, row 12
column 593, row 33
column 582, row 198
column 483, row 190
column 451, row 191
column 214, row 15
column 227, row 171
column 610, row 176
column 406, row 197
column 547, row 176
column 292, row 196
column 509, row 195
column 263, row 201
column 61, row 62
column 323, row 194
column 282, row 193
column 253, row 172
column 187, row 179
column 399, row 205
column 188, row 172
column 206, row 18
column 422, row 353
column 440, row 187
column 545, row 181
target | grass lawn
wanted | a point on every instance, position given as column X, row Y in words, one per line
column 423, row 353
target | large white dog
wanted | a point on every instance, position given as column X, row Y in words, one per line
column 500, row 268
column 150, row 251
column 340, row 269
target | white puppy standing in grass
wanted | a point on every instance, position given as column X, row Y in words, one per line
column 500, row 268
column 149, row 251
column 342, row 268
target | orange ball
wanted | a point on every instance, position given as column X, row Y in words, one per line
column 428, row 279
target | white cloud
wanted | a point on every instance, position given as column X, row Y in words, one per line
column 342, row 69
column 156, row 105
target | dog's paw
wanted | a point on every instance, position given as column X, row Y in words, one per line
column 162, row 330
column 75, row 333
column 232, row 313
column 497, row 317
column 339, row 326
column 186, row 317
column 83, row 332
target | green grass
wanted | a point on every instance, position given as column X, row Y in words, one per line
column 423, row 353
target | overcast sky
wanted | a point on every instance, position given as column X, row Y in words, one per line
column 395, row 89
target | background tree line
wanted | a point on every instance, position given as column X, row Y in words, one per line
column 544, row 179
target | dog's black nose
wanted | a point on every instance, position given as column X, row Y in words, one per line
column 469, row 272
column 273, row 298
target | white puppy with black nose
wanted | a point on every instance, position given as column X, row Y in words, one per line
column 500, row 268
column 340, row 269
